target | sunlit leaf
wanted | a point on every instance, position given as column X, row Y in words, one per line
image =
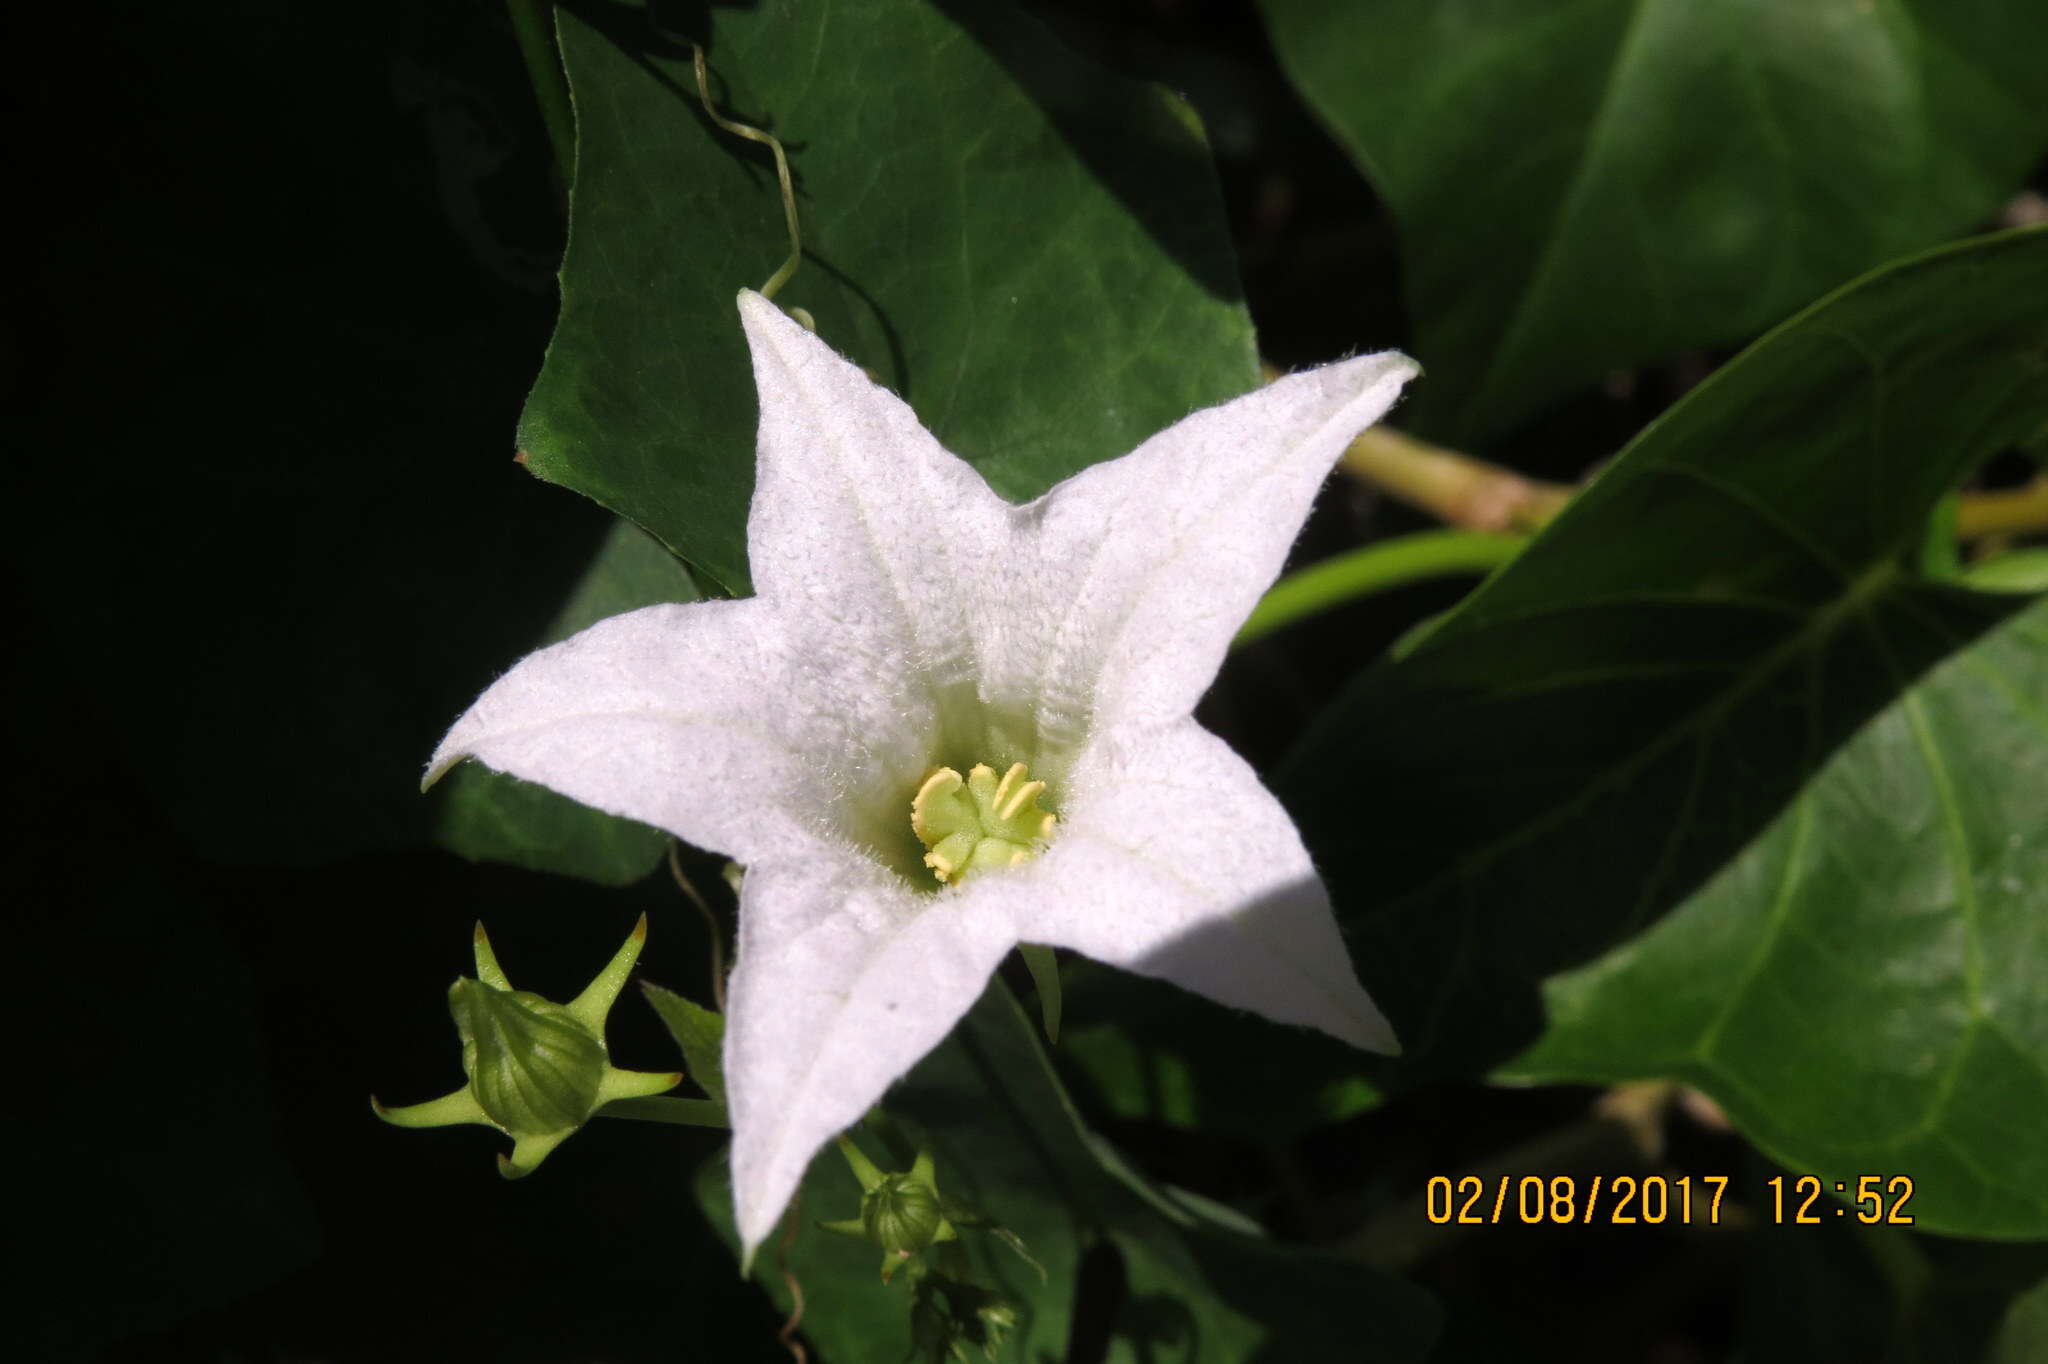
column 1584, row 186
column 1865, row 990
column 1026, row 247
column 1616, row 714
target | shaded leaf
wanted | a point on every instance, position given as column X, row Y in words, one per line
column 1581, row 186
column 1863, row 989
column 1147, row 1051
column 699, row 1031
column 492, row 816
column 921, row 147
column 1615, row 714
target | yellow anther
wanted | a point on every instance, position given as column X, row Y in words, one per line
column 980, row 822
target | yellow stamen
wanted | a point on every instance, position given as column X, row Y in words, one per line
column 980, row 822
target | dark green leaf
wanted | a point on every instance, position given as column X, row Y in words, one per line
column 490, row 816
column 1151, row 1052
column 1862, row 989
column 1585, row 185
column 1008, row 1142
column 699, row 1031
column 1617, row 713
column 1028, row 249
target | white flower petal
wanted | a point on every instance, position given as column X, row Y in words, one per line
column 845, row 978
column 908, row 615
column 1144, row 567
column 861, row 522
column 657, row 715
column 1173, row 861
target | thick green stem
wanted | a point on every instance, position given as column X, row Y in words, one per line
column 533, row 24
column 1375, row 568
column 1457, row 489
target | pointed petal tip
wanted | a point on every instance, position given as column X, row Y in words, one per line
column 756, row 310
column 1373, row 1033
column 449, row 754
column 1381, row 366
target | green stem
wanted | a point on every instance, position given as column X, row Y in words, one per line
column 1375, row 568
column 1045, row 974
column 533, row 23
column 660, row 1108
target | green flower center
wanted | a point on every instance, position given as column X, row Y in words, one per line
column 981, row 822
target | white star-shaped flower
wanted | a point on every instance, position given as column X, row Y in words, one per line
column 947, row 725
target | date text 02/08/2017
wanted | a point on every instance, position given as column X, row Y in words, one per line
column 1654, row 1200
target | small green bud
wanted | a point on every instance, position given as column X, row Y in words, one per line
column 532, row 1066
column 901, row 1215
column 537, row 1070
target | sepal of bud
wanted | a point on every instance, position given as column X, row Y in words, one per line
column 537, row 1070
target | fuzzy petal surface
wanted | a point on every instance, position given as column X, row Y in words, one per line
column 1176, row 863
column 845, row 978
column 862, row 523
column 656, row 715
column 1145, row 566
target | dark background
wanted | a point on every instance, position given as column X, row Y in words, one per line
column 286, row 278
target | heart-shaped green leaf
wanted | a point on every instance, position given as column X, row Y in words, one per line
column 1865, row 989
column 1581, row 186
column 1030, row 250
column 1617, row 713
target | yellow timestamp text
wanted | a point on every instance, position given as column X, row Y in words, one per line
column 1621, row 1200
column 1655, row 1200
column 1871, row 1199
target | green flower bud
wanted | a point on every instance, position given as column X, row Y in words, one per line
column 901, row 1215
column 537, row 1070
column 532, row 1066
